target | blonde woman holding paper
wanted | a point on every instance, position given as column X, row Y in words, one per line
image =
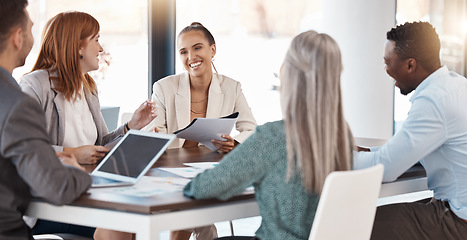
column 199, row 92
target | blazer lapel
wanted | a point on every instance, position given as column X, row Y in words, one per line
column 59, row 101
column 215, row 98
column 182, row 101
column 95, row 108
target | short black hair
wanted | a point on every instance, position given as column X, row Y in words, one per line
column 13, row 15
column 199, row 27
column 417, row 40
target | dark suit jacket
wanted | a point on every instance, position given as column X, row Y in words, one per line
column 28, row 164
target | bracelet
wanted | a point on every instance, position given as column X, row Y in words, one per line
column 127, row 128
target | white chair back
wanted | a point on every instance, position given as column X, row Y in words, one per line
column 347, row 206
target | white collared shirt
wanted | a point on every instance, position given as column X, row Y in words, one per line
column 434, row 133
column 80, row 128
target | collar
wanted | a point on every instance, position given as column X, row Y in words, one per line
column 10, row 78
column 425, row 83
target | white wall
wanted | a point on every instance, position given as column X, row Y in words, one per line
column 359, row 27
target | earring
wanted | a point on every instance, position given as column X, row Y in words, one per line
column 212, row 60
column 80, row 56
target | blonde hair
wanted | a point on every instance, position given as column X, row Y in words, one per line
column 62, row 38
column 318, row 138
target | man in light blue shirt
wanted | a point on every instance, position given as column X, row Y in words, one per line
column 435, row 133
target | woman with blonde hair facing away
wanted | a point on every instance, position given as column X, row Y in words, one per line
column 199, row 92
column 287, row 161
column 60, row 82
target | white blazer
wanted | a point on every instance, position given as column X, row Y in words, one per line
column 172, row 97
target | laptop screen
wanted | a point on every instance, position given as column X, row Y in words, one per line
column 133, row 155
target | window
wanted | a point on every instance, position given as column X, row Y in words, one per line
column 450, row 20
column 123, row 80
column 252, row 38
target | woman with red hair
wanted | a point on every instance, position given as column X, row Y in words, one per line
column 60, row 82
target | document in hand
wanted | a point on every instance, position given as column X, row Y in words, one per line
column 204, row 130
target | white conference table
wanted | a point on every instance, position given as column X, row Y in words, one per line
column 147, row 217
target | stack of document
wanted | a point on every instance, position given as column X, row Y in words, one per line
column 203, row 130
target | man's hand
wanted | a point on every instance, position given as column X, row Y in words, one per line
column 68, row 159
column 88, row 154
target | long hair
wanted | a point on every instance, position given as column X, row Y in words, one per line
column 62, row 38
column 318, row 138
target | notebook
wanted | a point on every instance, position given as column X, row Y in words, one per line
column 130, row 159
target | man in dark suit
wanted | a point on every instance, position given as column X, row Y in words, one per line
column 29, row 167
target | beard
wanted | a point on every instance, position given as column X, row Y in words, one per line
column 28, row 41
column 405, row 92
column 21, row 61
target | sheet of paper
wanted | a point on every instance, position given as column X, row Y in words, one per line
column 202, row 165
column 186, row 172
column 203, row 130
column 148, row 186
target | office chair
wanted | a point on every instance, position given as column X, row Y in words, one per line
column 347, row 207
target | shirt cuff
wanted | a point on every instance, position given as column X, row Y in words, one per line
column 57, row 148
column 363, row 160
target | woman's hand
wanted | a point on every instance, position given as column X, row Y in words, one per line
column 88, row 154
column 224, row 146
column 68, row 159
column 143, row 115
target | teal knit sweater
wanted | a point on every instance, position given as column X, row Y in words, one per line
column 286, row 208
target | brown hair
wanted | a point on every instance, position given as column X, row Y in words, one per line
column 13, row 15
column 196, row 26
column 318, row 138
column 62, row 38
column 199, row 27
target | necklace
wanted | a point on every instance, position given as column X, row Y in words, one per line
column 199, row 101
column 194, row 112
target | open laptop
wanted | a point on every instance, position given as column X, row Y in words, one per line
column 130, row 159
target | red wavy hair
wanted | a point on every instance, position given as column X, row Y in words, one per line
column 62, row 38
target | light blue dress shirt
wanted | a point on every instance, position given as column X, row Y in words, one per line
column 434, row 133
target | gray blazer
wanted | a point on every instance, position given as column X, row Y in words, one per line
column 38, row 85
column 28, row 165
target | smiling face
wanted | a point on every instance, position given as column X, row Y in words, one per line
column 90, row 52
column 196, row 54
column 400, row 70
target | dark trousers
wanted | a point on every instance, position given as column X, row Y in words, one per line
column 49, row 227
column 418, row 220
